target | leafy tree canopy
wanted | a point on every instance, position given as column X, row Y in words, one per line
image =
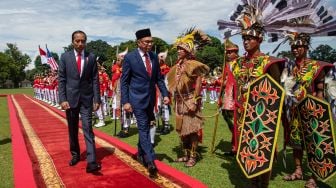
column 323, row 53
column 19, row 62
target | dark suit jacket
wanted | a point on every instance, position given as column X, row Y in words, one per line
column 72, row 87
column 137, row 88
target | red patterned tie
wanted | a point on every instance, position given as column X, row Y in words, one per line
column 148, row 65
column 79, row 62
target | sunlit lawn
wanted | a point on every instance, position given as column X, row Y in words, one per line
column 215, row 170
column 6, row 162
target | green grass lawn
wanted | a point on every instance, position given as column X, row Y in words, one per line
column 6, row 162
column 27, row 91
column 215, row 170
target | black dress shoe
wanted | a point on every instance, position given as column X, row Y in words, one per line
column 158, row 131
column 123, row 134
column 141, row 160
column 93, row 167
column 74, row 161
column 152, row 169
column 166, row 130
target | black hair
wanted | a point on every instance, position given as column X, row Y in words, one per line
column 75, row 32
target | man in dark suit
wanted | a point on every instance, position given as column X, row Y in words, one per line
column 79, row 94
column 141, row 73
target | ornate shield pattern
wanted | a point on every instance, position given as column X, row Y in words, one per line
column 262, row 119
column 318, row 136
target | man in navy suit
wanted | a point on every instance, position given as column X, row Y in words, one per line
column 79, row 94
column 141, row 73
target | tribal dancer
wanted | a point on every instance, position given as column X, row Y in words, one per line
column 228, row 93
column 184, row 83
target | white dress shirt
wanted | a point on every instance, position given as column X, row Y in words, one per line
column 82, row 62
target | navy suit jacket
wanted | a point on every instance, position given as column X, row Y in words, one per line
column 72, row 87
column 137, row 87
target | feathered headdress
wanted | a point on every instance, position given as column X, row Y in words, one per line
column 192, row 40
column 254, row 17
column 319, row 21
column 299, row 39
column 163, row 55
column 230, row 45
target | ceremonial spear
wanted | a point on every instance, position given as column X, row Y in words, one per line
column 219, row 108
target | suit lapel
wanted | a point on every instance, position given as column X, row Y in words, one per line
column 86, row 61
column 142, row 65
column 74, row 61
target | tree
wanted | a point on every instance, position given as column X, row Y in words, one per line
column 323, row 53
column 6, row 63
column 286, row 54
column 99, row 48
column 31, row 73
column 212, row 54
column 172, row 56
column 159, row 45
column 19, row 63
column 68, row 48
column 112, row 52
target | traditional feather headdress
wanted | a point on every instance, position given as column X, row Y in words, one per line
column 321, row 22
column 276, row 17
column 192, row 40
column 230, row 45
column 299, row 39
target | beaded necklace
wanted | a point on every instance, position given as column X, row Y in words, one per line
column 245, row 70
column 304, row 73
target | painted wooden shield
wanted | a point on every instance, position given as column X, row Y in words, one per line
column 262, row 119
column 318, row 135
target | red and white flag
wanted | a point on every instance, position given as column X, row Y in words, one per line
column 43, row 55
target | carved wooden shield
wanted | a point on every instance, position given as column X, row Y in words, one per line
column 262, row 119
column 318, row 135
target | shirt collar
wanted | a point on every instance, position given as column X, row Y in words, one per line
column 82, row 53
column 142, row 53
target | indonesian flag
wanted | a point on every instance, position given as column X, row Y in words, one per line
column 51, row 61
column 43, row 55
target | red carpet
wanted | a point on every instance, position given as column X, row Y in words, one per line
column 22, row 165
column 48, row 140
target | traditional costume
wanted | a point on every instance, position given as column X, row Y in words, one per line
column 259, row 96
column 103, row 84
column 228, row 94
column 184, row 83
column 204, row 90
column 308, row 124
column 125, row 117
column 282, row 18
